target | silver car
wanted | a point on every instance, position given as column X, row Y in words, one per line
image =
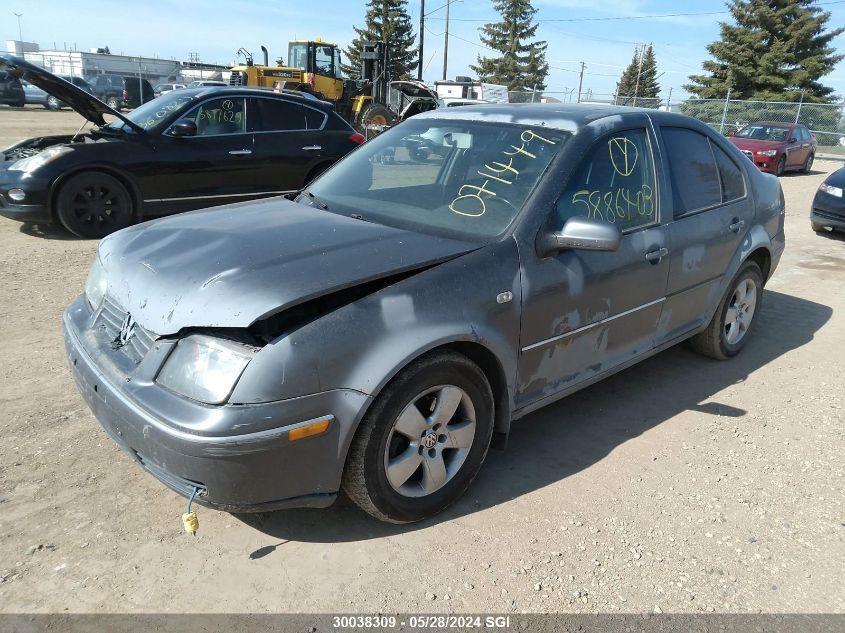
column 381, row 329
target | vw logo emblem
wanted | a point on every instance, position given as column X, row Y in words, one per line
column 430, row 440
column 127, row 331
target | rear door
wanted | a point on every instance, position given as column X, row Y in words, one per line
column 289, row 141
column 712, row 215
column 585, row 313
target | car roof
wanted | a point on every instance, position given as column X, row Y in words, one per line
column 204, row 91
column 561, row 116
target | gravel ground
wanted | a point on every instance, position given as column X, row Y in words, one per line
column 680, row 485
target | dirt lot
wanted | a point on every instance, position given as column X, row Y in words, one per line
column 682, row 484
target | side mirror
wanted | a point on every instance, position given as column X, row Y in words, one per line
column 793, row 140
column 583, row 234
column 183, row 127
column 731, row 133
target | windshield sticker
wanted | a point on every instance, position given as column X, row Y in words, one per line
column 473, row 205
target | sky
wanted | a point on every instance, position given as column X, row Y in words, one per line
column 576, row 31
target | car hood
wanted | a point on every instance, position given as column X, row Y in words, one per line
column 756, row 144
column 234, row 265
column 75, row 97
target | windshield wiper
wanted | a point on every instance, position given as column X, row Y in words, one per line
column 318, row 202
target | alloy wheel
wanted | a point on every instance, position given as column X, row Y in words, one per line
column 99, row 206
column 740, row 311
column 430, row 441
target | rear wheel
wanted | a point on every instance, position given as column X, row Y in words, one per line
column 113, row 103
column 818, row 228
column 94, row 204
column 808, row 164
column 423, row 440
column 730, row 328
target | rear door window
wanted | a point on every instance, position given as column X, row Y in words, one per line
column 279, row 115
column 696, row 184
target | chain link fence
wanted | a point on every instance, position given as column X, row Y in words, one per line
column 825, row 120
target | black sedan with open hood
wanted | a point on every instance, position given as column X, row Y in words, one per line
column 184, row 150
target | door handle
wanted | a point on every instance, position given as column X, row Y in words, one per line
column 240, row 152
column 312, row 148
column 737, row 225
column 656, row 256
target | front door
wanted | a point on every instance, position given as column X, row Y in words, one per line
column 214, row 167
column 585, row 313
column 712, row 215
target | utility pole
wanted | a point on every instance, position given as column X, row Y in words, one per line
column 446, row 41
column 639, row 71
column 422, row 38
column 19, row 16
column 580, row 80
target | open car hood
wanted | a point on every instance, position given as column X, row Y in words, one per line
column 414, row 89
column 230, row 266
column 84, row 103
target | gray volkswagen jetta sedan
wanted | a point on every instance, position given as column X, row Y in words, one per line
column 380, row 330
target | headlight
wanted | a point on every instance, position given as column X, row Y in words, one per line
column 96, row 286
column 205, row 368
column 31, row 163
column 767, row 152
column 834, row 191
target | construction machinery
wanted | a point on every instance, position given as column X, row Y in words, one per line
column 314, row 66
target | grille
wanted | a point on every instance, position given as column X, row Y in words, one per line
column 110, row 320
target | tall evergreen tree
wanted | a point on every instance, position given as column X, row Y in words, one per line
column 385, row 21
column 639, row 80
column 521, row 64
column 773, row 50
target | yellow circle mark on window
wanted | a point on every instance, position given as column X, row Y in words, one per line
column 623, row 155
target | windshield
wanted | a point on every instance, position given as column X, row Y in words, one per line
column 764, row 132
column 155, row 111
column 298, row 56
column 461, row 179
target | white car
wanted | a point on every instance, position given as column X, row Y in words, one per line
column 161, row 89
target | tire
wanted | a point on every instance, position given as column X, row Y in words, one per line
column 818, row 228
column 808, row 164
column 442, row 472
column 93, row 204
column 375, row 114
column 113, row 103
column 53, row 103
column 781, row 166
column 726, row 336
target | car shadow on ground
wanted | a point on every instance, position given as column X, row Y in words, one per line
column 48, row 232
column 566, row 437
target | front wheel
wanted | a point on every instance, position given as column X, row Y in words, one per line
column 423, row 440
column 53, row 103
column 93, row 204
column 113, row 103
column 781, row 166
column 730, row 328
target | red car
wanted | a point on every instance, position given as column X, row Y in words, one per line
column 777, row 147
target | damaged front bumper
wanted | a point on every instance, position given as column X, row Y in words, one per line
column 238, row 454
